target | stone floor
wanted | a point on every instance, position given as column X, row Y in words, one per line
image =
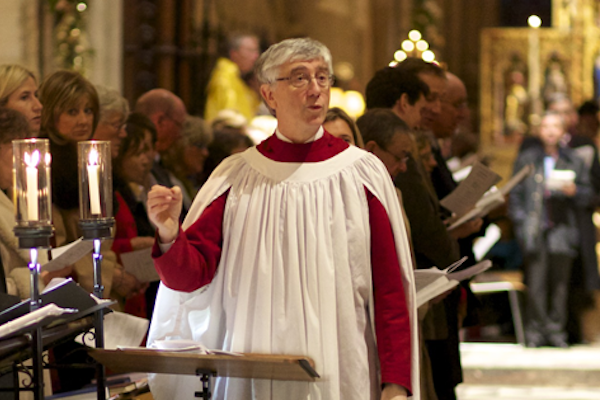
column 512, row 372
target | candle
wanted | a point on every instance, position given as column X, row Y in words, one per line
column 32, row 184
column 93, row 186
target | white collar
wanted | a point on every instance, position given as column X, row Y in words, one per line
column 317, row 136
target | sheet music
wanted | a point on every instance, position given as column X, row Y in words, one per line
column 33, row 318
column 68, row 254
column 120, row 329
column 432, row 282
column 469, row 191
column 140, row 264
column 471, row 271
column 493, row 198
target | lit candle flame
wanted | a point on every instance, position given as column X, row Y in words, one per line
column 93, row 158
column 33, row 159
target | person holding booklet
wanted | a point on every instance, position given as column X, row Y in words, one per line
column 543, row 210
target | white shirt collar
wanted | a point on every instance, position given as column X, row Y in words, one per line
column 317, row 136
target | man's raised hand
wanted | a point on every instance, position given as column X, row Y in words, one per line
column 164, row 208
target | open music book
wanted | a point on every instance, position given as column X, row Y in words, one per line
column 432, row 282
column 491, row 199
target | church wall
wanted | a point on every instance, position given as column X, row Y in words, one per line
column 19, row 45
column 106, row 38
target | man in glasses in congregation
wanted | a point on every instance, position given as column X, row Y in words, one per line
column 296, row 246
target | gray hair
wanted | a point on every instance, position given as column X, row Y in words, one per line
column 111, row 101
column 196, row 132
column 289, row 50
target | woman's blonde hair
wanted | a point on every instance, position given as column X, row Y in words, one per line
column 12, row 76
column 61, row 91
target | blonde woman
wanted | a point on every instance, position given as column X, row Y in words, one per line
column 19, row 91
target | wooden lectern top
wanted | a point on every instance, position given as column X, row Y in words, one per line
column 245, row 365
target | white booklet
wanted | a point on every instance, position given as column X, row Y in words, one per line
column 179, row 346
column 432, row 282
column 140, row 264
column 492, row 199
column 469, row 191
column 558, row 178
column 68, row 254
column 32, row 318
column 120, row 329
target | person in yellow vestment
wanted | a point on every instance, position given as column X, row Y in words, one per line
column 226, row 88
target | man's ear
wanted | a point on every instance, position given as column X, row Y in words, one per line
column 158, row 118
column 399, row 108
column 267, row 94
column 370, row 146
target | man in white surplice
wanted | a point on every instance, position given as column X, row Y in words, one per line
column 296, row 246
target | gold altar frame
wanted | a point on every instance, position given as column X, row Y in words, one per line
column 577, row 51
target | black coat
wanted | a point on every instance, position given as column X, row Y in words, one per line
column 535, row 210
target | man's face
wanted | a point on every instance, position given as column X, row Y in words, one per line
column 454, row 109
column 551, row 130
column 298, row 107
column 396, row 154
column 565, row 108
column 246, row 54
column 427, row 158
column 413, row 113
column 169, row 127
column 437, row 91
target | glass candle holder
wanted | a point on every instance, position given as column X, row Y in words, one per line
column 95, row 181
column 32, row 189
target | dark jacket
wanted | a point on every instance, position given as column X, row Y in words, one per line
column 535, row 210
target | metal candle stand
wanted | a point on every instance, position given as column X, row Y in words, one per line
column 34, row 238
column 96, row 222
column 97, row 230
column 33, row 216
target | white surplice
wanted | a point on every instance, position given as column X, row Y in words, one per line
column 294, row 277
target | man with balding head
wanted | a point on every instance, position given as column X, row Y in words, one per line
column 453, row 110
column 167, row 112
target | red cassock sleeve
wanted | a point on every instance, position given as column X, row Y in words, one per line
column 192, row 260
column 392, row 325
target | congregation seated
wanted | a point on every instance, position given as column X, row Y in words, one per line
column 71, row 115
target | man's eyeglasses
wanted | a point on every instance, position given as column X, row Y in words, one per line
column 301, row 80
column 178, row 123
column 399, row 159
column 117, row 126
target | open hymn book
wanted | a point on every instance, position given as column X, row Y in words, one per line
column 478, row 207
column 432, row 282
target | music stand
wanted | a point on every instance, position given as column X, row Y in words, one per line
column 244, row 365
